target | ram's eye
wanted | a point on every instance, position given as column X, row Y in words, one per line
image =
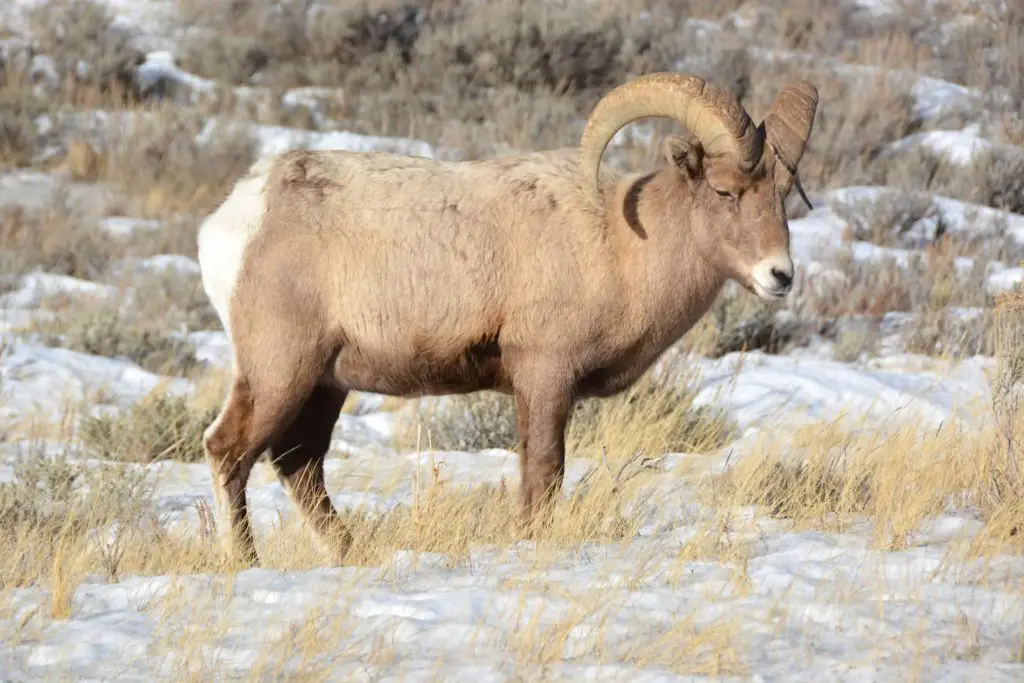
column 724, row 193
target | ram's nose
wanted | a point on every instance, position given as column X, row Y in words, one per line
column 773, row 276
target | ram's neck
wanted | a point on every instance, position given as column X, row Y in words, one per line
column 670, row 282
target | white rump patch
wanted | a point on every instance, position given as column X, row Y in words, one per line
column 223, row 237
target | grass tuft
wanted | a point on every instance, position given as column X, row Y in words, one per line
column 162, row 426
column 113, row 331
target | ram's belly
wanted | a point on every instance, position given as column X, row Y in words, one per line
column 402, row 369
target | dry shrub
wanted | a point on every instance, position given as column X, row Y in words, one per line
column 946, row 333
column 556, row 48
column 658, row 414
column 84, row 163
column 180, row 301
column 114, row 330
column 50, row 515
column 854, row 341
column 924, row 280
column 444, row 518
column 948, row 308
column 162, row 426
column 470, row 422
column 993, row 179
column 987, row 54
column 763, row 331
column 19, row 107
column 738, row 322
column 175, row 298
column 175, row 234
column 87, row 48
column 157, row 159
column 817, row 26
column 829, row 477
column 58, row 240
column 418, row 69
column 378, row 43
column 655, row 415
column 1008, row 394
column 892, row 220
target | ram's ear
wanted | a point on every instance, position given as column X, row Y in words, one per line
column 686, row 154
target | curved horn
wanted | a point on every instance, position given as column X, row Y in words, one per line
column 713, row 115
column 788, row 127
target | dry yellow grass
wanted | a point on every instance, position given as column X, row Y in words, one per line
column 826, row 477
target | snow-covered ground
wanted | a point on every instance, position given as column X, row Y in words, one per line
column 807, row 603
column 770, row 604
column 810, row 607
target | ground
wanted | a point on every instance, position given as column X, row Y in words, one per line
column 829, row 488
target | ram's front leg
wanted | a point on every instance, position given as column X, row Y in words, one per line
column 543, row 410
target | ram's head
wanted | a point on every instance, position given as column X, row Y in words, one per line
column 736, row 175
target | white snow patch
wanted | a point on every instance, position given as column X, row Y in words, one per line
column 974, row 220
column 313, row 100
column 811, row 603
column 272, row 140
column 123, row 226
column 958, row 147
column 35, row 378
column 162, row 263
column 161, row 68
column 212, row 346
column 1004, row 279
column 37, row 288
column 759, row 390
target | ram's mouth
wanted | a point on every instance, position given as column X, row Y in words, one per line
column 762, row 292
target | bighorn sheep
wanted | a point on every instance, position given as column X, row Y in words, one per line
column 337, row 271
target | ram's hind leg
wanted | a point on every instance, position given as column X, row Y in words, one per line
column 298, row 456
column 262, row 402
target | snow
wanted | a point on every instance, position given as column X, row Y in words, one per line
column 957, row 217
column 124, row 226
column 36, row 190
column 1003, row 279
column 273, row 140
column 958, row 147
column 758, row 390
column 161, row 263
column 160, row 70
column 211, row 347
column 312, row 99
column 39, row 380
column 37, row 289
column 817, row 237
column 879, row 7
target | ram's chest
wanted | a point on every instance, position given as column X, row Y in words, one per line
column 617, row 371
